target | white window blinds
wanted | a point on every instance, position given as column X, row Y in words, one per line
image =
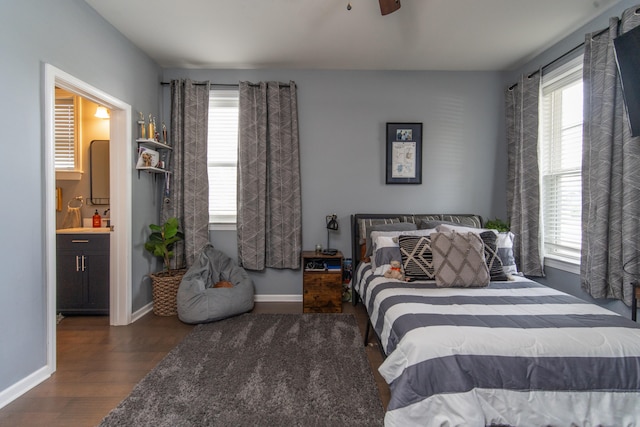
column 561, row 161
column 222, row 155
column 65, row 134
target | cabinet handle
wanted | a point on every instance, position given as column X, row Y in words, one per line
column 83, row 266
column 77, row 263
column 80, row 241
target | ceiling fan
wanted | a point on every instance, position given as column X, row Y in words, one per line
column 386, row 6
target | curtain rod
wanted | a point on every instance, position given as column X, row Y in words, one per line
column 569, row 52
column 225, row 84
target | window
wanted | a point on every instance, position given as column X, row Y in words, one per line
column 66, row 153
column 222, row 155
column 561, row 162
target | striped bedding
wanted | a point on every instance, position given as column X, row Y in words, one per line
column 514, row 353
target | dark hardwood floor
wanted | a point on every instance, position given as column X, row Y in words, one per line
column 98, row 365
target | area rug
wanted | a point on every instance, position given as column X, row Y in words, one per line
column 259, row 370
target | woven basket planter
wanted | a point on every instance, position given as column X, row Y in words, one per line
column 165, row 291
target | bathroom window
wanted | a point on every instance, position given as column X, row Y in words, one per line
column 66, row 156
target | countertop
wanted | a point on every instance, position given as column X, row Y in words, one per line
column 84, row 230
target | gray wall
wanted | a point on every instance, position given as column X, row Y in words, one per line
column 342, row 117
column 555, row 278
column 71, row 36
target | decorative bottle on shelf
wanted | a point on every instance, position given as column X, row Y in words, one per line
column 152, row 130
column 164, row 133
column 155, row 131
column 97, row 220
column 143, row 126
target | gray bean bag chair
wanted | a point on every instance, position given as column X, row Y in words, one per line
column 199, row 302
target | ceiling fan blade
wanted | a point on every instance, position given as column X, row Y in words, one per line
column 389, row 6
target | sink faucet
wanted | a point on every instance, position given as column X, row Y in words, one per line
column 106, row 211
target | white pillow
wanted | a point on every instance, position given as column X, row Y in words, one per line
column 386, row 249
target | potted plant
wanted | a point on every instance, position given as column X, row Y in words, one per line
column 497, row 224
column 165, row 283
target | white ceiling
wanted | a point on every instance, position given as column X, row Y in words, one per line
column 322, row 34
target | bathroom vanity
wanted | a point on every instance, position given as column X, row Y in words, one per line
column 82, row 271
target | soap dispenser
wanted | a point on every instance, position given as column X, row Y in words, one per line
column 97, row 220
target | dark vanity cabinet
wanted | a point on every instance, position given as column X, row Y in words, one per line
column 82, row 273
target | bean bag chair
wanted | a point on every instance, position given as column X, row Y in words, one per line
column 200, row 302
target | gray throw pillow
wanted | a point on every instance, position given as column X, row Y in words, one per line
column 458, row 260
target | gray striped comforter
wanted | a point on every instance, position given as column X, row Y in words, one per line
column 514, row 353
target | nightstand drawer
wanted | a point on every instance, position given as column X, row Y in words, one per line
column 322, row 299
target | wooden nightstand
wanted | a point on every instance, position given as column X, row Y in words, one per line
column 321, row 282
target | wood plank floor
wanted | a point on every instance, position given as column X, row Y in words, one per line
column 98, row 365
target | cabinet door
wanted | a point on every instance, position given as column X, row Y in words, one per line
column 69, row 277
column 96, row 298
column 322, row 293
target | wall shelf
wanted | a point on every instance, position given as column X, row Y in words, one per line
column 154, row 143
column 157, row 145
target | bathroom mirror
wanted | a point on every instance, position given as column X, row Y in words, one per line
column 99, row 171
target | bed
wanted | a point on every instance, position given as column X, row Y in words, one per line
column 511, row 353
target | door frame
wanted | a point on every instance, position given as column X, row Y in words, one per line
column 120, row 183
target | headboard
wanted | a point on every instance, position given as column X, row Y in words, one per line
column 463, row 219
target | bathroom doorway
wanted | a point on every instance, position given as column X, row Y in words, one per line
column 120, row 160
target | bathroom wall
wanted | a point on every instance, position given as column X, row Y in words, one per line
column 90, row 128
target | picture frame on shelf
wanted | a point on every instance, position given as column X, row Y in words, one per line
column 404, row 153
column 147, row 158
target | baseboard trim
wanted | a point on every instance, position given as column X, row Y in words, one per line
column 277, row 298
column 141, row 312
column 16, row 390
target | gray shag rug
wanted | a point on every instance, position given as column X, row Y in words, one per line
column 259, row 370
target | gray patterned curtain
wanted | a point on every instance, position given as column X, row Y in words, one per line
column 523, row 188
column 186, row 191
column 610, row 171
column 269, row 204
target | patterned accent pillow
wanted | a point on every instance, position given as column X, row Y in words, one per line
column 458, row 260
column 417, row 259
column 491, row 257
column 491, row 252
column 467, row 220
column 416, row 219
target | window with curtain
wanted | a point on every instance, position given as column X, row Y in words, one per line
column 66, row 153
column 560, row 154
column 222, row 155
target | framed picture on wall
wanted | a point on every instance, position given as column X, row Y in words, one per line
column 147, row 158
column 404, row 153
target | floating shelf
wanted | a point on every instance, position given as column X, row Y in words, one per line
column 154, row 143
